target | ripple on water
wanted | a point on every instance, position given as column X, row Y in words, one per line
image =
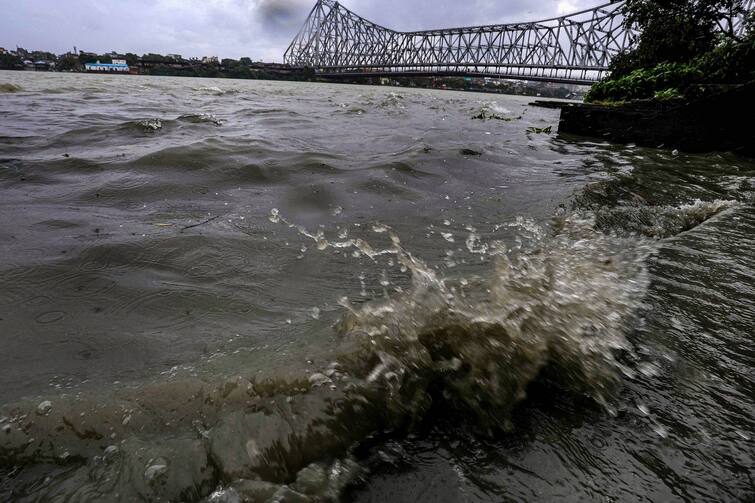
column 49, row 317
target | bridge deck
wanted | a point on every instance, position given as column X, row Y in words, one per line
column 436, row 73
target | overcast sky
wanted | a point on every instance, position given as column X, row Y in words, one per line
column 260, row 29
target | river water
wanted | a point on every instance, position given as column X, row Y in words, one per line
column 224, row 291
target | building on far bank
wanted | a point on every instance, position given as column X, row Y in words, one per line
column 2, row 50
column 44, row 66
column 117, row 66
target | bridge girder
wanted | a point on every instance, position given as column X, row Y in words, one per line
column 575, row 48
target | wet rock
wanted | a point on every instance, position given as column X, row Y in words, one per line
column 702, row 125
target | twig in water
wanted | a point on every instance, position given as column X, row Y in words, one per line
column 200, row 223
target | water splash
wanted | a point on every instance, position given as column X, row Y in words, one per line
column 565, row 302
column 150, row 125
column 557, row 306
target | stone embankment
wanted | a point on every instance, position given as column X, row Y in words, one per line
column 723, row 121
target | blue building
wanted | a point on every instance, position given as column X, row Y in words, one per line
column 117, row 66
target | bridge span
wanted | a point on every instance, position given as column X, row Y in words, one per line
column 575, row 48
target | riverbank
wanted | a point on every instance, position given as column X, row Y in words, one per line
column 715, row 122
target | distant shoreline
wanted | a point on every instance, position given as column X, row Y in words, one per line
column 515, row 88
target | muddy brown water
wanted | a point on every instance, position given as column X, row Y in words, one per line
column 222, row 291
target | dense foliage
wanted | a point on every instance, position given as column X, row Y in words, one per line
column 729, row 63
column 676, row 31
column 10, row 62
column 682, row 45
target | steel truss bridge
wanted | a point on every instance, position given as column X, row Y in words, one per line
column 575, row 49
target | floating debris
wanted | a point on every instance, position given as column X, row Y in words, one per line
column 469, row 152
column 539, row 130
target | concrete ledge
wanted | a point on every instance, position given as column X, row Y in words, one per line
column 723, row 121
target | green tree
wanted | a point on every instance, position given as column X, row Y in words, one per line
column 156, row 58
column 675, row 31
column 68, row 62
column 10, row 62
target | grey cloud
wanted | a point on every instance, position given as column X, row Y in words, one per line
column 283, row 13
column 260, row 29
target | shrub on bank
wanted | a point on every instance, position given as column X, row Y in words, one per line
column 644, row 83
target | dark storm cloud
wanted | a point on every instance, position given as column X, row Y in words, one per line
column 427, row 14
column 260, row 29
column 275, row 14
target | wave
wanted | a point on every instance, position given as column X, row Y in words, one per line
column 10, row 88
column 149, row 125
column 392, row 101
column 215, row 91
column 89, row 89
column 557, row 306
column 660, row 221
column 152, row 125
column 201, row 119
column 493, row 111
column 468, row 345
column 481, row 341
column 140, row 127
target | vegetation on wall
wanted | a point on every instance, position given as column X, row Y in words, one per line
column 729, row 63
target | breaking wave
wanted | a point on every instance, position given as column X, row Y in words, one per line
column 10, row 88
column 493, row 111
column 467, row 345
column 216, row 91
column 659, row 221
